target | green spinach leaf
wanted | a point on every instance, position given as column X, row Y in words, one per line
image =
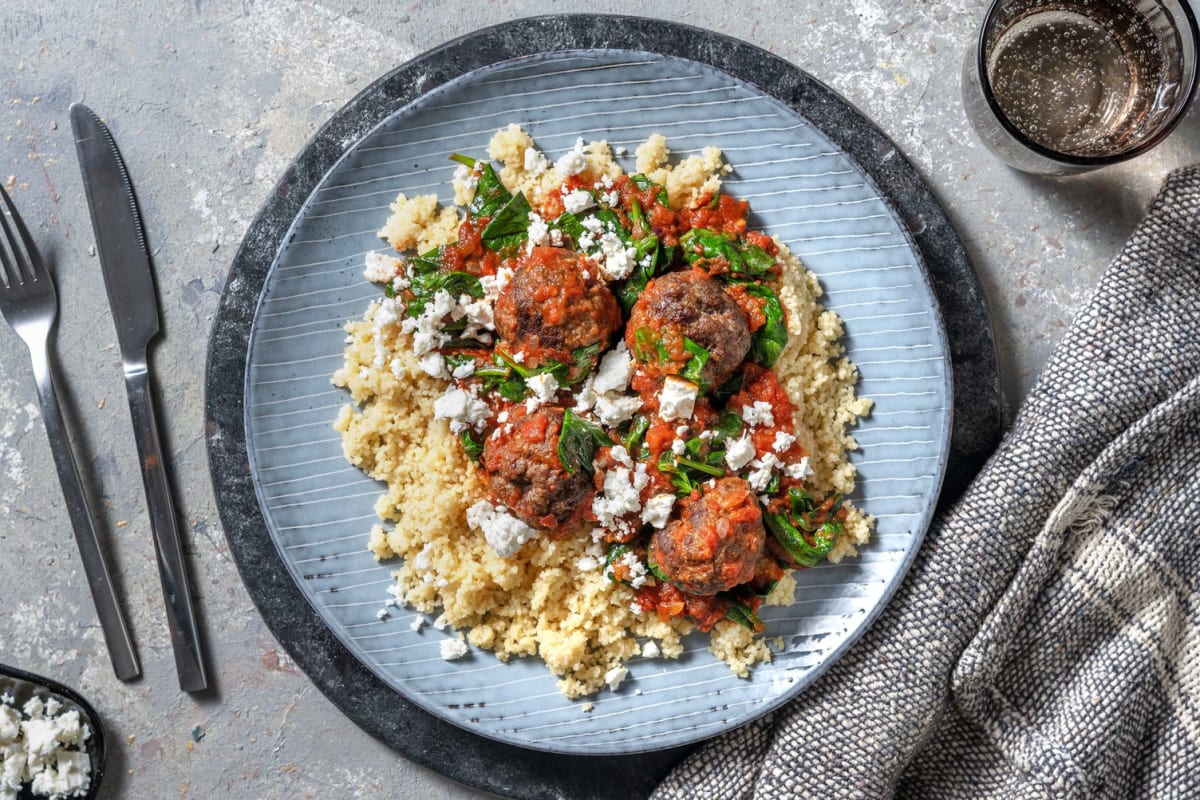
column 578, row 441
column 490, row 194
column 769, row 340
column 510, row 226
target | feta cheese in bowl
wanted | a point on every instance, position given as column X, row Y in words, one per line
column 51, row 739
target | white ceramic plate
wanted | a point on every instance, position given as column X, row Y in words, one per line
column 801, row 187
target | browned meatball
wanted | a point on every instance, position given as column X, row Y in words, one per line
column 526, row 475
column 717, row 541
column 691, row 304
column 548, row 309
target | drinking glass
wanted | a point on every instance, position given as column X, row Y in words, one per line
column 1058, row 87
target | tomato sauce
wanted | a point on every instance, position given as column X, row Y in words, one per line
column 728, row 216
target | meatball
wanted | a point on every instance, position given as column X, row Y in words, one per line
column 717, row 541
column 549, row 308
column 690, row 304
column 525, row 474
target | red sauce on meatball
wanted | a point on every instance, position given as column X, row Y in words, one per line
column 554, row 304
column 717, row 541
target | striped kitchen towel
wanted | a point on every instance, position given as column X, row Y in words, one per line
column 1046, row 643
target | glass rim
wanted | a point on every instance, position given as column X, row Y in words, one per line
column 1192, row 78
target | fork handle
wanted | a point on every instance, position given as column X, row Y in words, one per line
column 112, row 620
column 168, row 546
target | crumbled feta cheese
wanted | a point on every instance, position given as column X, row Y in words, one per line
column 556, row 238
column 538, row 231
column 453, row 649
column 759, row 414
column 613, row 409
column 739, row 452
column 10, row 723
column 585, row 398
column 593, row 225
column 462, row 408
column 682, row 431
column 593, row 554
column 573, row 162
column 480, row 317
column 650, row 650
column 387, row 313
column 434, row 365
column 763, row 469
column 614, row 677
column 544, row 386
column 417, row 623
column 620, row 151
column 614, row 371
column 636, row 569
column 610, row 198
column 502, row 417
column 658, row 510
column 800, row 470
column 677, row 399
column 464, row 370
column 504, row 532
column 36, row 752
column 465, row 177
column 68, row 776
column 535, row 162
column 619, row 454
column 494, row 284
column 426, row 329
column 389, row 603
column 783, row 441
column 440, row 623
column 519, row 356
column 380, row 268
column 578, row 201
column 679, row 447
column 423, row 560
column 615, row 259
column 621, row 495
column 381, row 614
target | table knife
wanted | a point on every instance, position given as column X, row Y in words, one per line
column 129, row 279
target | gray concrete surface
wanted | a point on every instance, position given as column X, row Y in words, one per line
column 209, row 100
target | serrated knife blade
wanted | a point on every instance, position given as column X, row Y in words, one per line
column 129, row 280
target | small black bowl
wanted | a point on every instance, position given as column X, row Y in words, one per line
column 24, row 686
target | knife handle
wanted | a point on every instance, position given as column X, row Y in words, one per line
column 108, row 610
column 181, row 615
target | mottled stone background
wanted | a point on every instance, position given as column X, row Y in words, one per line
column 209, row 102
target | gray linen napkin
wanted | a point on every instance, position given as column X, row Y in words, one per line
column 1046, row 643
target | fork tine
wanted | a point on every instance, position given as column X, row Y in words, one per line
column 8, row 269
column 33, row 260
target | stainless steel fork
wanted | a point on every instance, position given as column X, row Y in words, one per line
column 29, row 304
